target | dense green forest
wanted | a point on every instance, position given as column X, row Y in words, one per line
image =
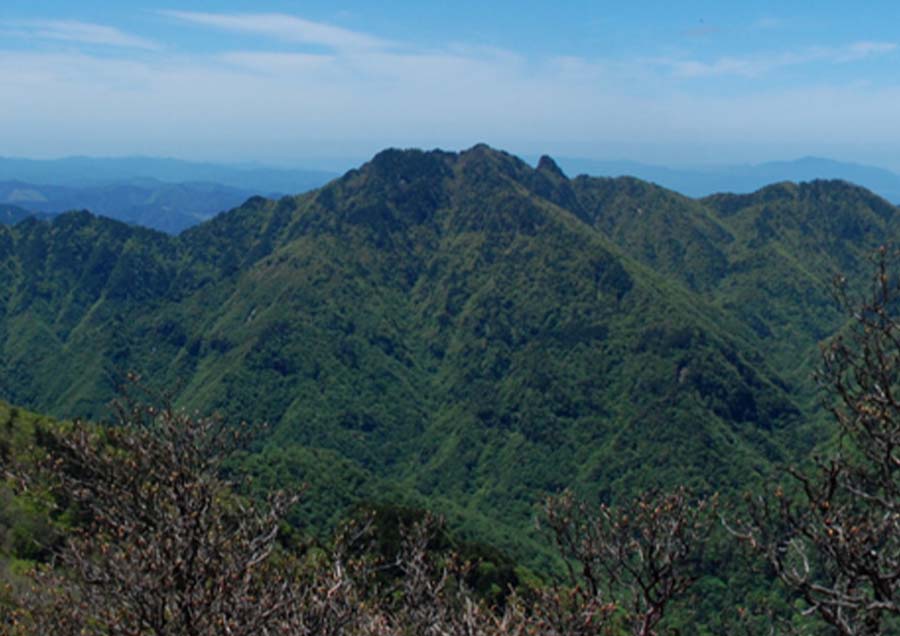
column 459, row 332
column 458, row 329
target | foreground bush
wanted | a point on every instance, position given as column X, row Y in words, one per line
column 162, row 545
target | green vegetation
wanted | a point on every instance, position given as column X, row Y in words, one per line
column 459, row 332
column 30, row 527
column 163, row 544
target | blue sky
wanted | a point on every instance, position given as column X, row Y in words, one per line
column 299, row 82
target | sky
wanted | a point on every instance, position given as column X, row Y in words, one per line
column 304, row 82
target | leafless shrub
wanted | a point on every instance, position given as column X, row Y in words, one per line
column 625, row 564
column 836, row 541
column 166, row 547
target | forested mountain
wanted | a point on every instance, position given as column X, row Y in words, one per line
column 459, row 329
column 703, row 181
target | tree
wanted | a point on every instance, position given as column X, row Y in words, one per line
column 164, row 546
column 627, row 564
column 833, row 536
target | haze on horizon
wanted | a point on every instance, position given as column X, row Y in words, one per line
column 283, row 82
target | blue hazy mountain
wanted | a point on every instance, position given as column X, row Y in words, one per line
column 169, row 207
column 700, row 182
column 171, row 195
column 12, row 214
column 85, row 171
column 163, row 194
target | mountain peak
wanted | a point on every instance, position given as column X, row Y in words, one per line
column 547, row 165
column 392, row 158
column 406, row 164
column 482, row 152
column 481, row 149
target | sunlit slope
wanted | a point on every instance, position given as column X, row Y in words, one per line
column 461, row 329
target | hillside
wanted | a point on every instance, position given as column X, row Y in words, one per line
column 766, row 258
column 461, row 330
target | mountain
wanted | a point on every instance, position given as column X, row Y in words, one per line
column 459, row 330
column 168, row 207
column 88, row 171
column 766, row 258
column 163, row 194
column 12, row 214
column 701, row 182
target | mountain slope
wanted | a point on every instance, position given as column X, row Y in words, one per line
column 767, row 258
column 458, row 329
column 794, row 239
column 672, row 234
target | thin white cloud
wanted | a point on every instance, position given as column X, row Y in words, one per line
column 283, row 27
column 861, row 50
column 367, row 91
column 760, row 65
column 81, row 32
column 269, row 103
column 278, row 63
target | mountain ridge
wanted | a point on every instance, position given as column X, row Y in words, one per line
column 701, row 182
column 167, row 207
column 100, row 171
column 462, row 327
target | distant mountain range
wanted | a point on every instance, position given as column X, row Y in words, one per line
column 12, row 214
column 700, row 182
column 171, row 195
column 162, row 194
column 82, row 172
column 168, row 207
